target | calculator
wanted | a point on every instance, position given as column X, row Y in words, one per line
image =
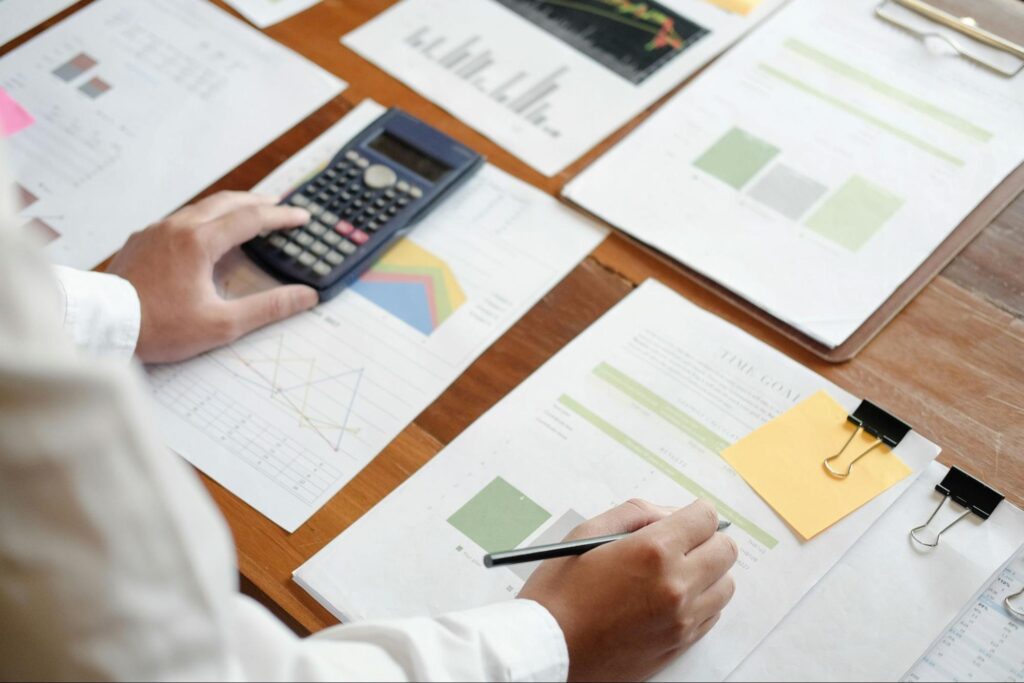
column 373, row 192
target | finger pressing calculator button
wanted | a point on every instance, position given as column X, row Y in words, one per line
column 359, row 237
column 307, row 259
column 322, row 269
column 292, row 249
column 334, row 258
column 379, row 177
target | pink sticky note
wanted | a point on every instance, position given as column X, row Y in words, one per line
column 13, row 117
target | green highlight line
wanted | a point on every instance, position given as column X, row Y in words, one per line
column 851, row 72
column 669, row 471
column 682, row 421
column 860, row 113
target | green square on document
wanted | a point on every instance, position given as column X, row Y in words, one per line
column 737, row 157
column 500, row 517
column 855, row 213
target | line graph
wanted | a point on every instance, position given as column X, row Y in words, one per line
column 319, row 399
column 633, row 39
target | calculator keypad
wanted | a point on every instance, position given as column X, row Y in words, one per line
column 348, row 203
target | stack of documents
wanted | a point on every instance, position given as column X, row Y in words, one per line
column 815, row 166
column 640, row 405
column 136, row 108
column 550, row 80
column 287, row 416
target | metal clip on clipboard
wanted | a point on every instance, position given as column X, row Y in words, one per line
column 887, row 430
column 976, row 43
column 965, row 491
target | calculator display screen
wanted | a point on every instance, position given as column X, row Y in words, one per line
column 410, row 157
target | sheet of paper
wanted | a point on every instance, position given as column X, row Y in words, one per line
column 13, row 117
column 18, row 16
column 550, row 80
column 139, row 106
column 640, row 405
column 286, row 417
column 881, row 606
column 782, row 461
column 815, row 166
column 264, row 13
column 985, row 642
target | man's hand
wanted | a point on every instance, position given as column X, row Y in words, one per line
column 629, row 608
column 171, row 266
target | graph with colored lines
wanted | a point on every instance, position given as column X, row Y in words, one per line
column 633, row 39
column 320, row 400
column 414, row 285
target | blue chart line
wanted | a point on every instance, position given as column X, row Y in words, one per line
column 323, row 402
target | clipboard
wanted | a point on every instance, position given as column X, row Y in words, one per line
column 998, row 21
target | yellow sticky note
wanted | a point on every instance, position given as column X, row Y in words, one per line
column 782, row 461
column 737, row 6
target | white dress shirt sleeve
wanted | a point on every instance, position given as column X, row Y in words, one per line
column 102, row 314
column 116, row 563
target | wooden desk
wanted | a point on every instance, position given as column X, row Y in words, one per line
column 952, row 364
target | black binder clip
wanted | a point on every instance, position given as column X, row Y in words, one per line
column 887, row 430
column 967, row 491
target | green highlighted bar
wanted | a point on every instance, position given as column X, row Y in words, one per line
column 737, row 157
column 861, row 114
column 662, row 408
column 851, row 72
column 855, row 213
column 499, row 518
column 669, row 471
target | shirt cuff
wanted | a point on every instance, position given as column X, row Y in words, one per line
column 102, row 312
column 524, row 637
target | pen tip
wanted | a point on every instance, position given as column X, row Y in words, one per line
column 724, row 524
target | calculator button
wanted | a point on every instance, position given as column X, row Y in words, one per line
column 307, row 259
column 317, row 228
column 277, row 241
column 299, row 200
column 392, row 210
column 371, row 211
column 304, row 239
column 352, row 156
column 379, row 177
column 331, row 173
column 403, row 201
column 373, row 226
column 381, row 203
column 344, row 228
column 357, row 204
column 334, row 258
column 319, row 249
column 315, row 210
column 292, row 249
column 363, row 164
column 390, row 194
column 352, row 173
column 331, row 238
column 322, row 269
column 346, row 197
column 309, row 191
column 348, row 212
column 416, row 192
column 347, row 248
column 359, row 237
column 403, row 187
column 329, row 218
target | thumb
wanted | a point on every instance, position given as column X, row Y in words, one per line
column 628, row 517
column 259, row 310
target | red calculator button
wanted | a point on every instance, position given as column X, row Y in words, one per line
column 359, row 237
column 344, row 228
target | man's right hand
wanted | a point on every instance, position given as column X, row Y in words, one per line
column 629, row 608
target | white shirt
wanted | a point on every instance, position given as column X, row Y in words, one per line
column 117, row 565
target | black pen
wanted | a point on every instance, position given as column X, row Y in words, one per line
column 567, row 549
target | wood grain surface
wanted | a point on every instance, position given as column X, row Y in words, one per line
column 952, row 364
